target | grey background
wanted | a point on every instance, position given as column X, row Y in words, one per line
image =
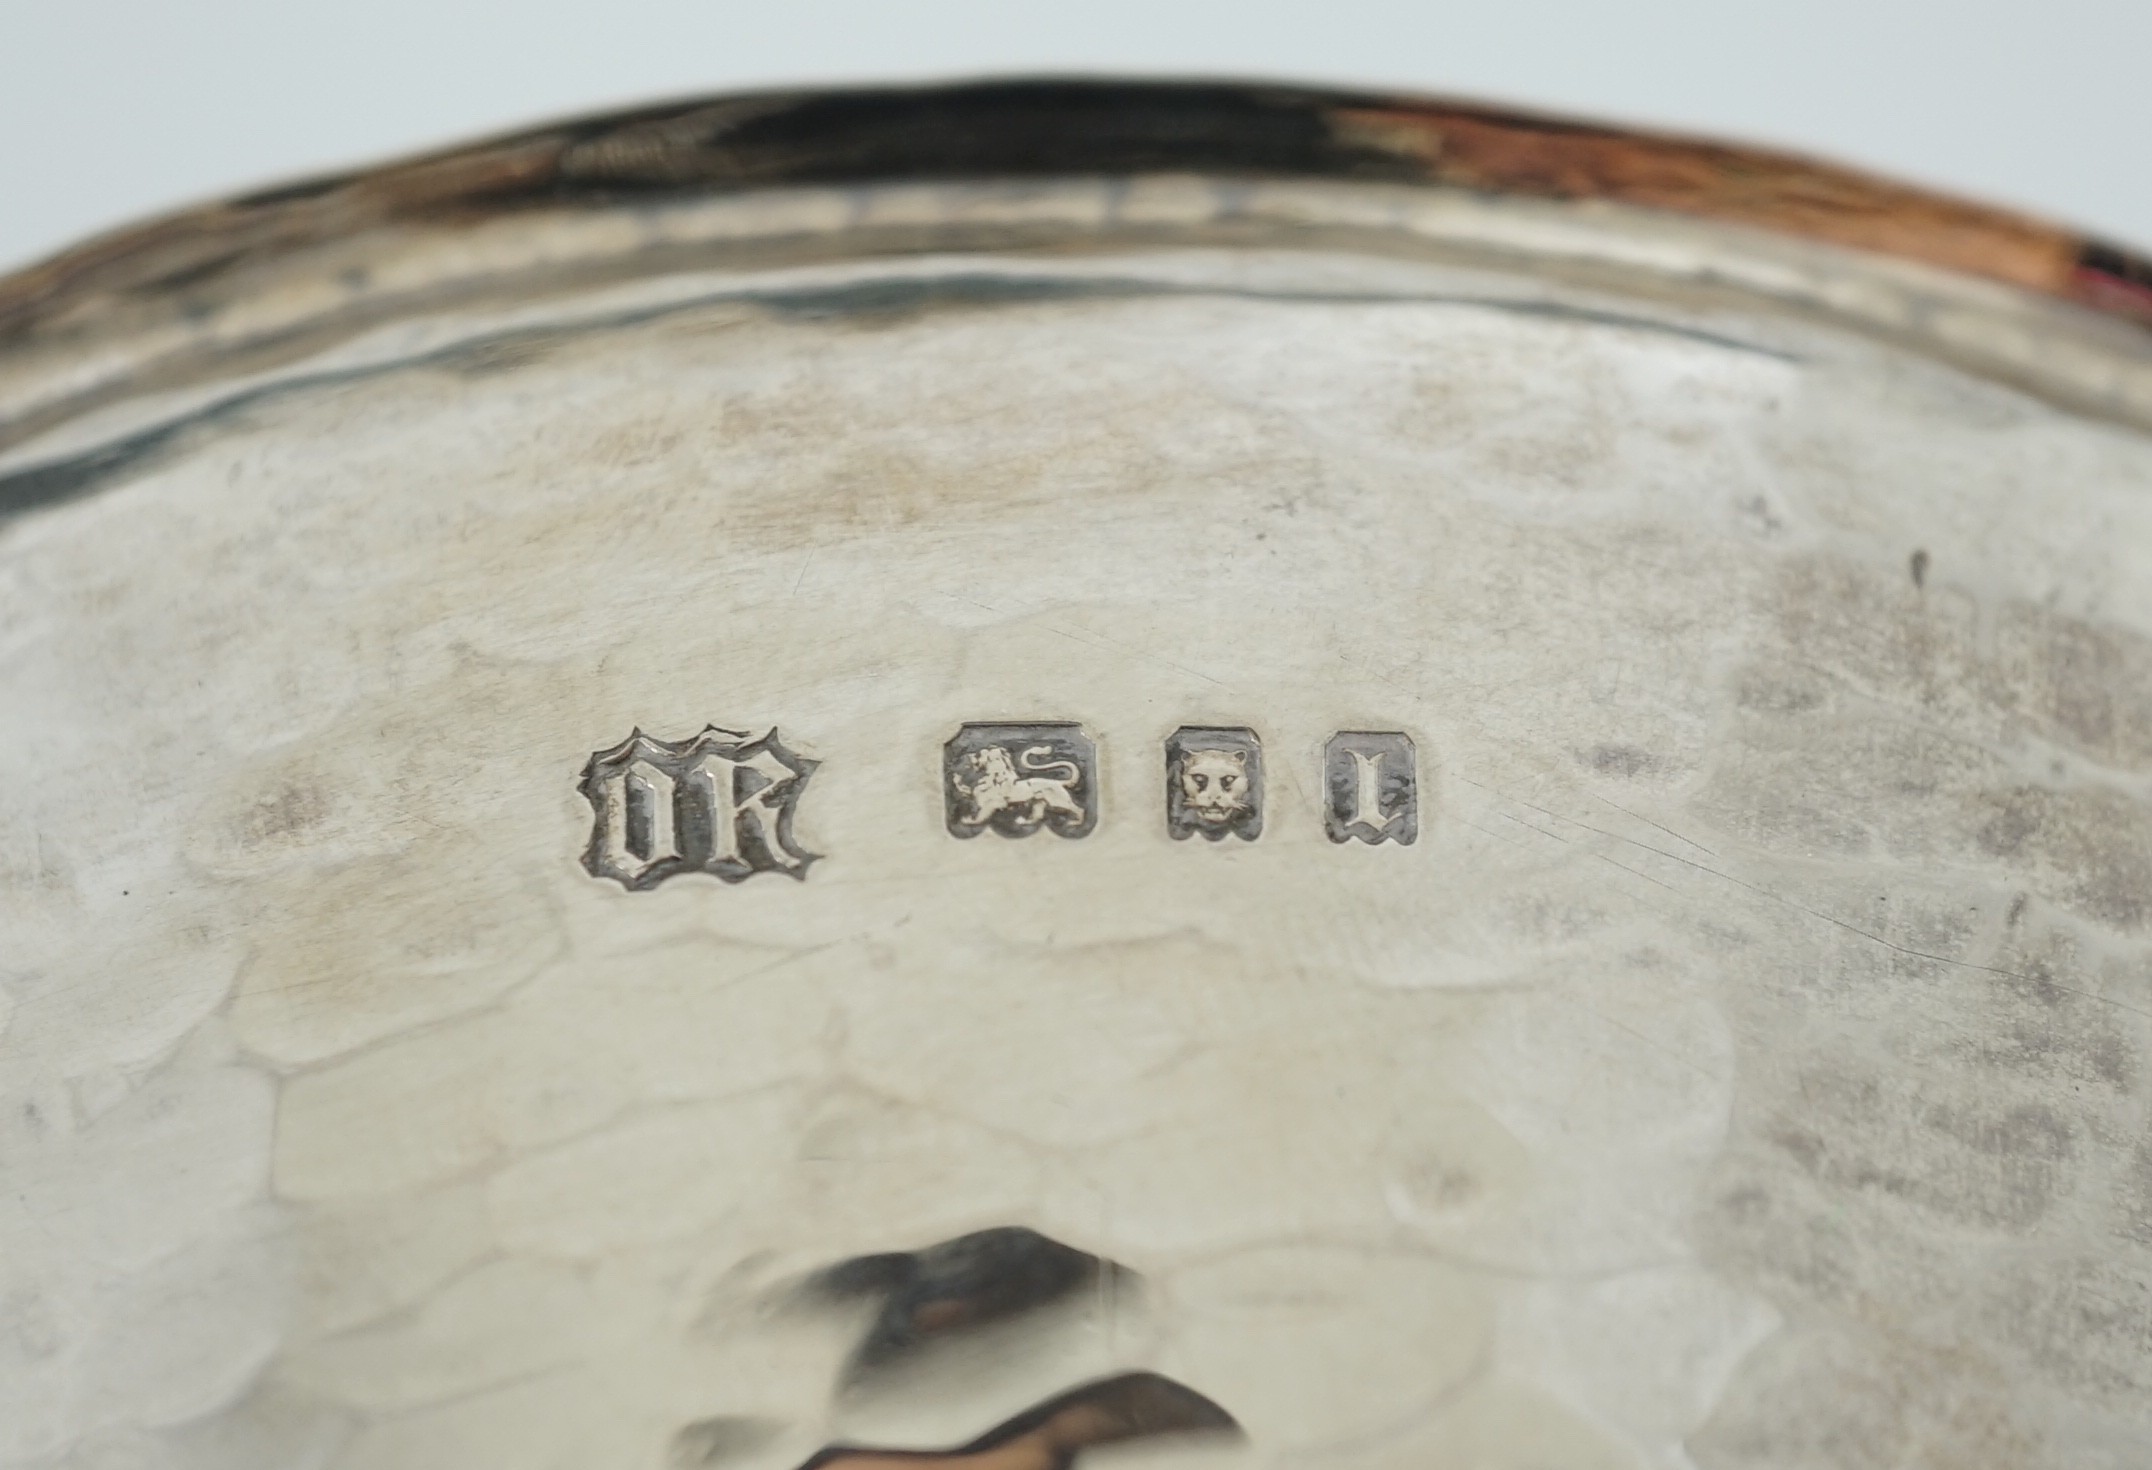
column 112, row 109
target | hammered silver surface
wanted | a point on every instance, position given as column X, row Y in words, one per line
column 1745, row 1067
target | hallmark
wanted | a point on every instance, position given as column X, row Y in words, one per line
column 1017, row 779
column 720, row 803
column 1214, row 783
column 1370, row 787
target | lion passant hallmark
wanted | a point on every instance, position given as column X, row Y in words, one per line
column 1020, row 779
column 723, row 802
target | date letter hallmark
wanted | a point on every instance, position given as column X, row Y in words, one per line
column 1214, row 783
column 1017, row 779
column 1370, row 788
column 720, row 803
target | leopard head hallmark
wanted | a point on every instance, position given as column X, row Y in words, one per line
column 720, row 803
column 1214, row 783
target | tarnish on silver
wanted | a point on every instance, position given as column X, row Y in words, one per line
column 1371, row 787
column 720, row 803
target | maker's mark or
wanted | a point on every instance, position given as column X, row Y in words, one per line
column 720, row 803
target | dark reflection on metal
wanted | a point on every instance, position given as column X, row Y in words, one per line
column 973, row 1281
column 1130, row 1406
